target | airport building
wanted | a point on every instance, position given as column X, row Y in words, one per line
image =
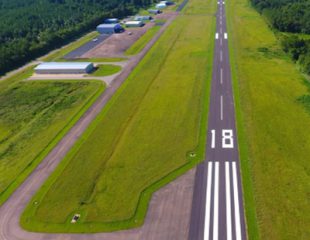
column 154, row 11
column 142, row 18
column 110, row 28
column 111, row 21
column 64, row 68
column 161, row 6
column 134, row 24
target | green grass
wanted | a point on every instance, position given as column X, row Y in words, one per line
column 33, row 118
column 94, row 60
column 142, row 41
column 273, row 129
column 139, row 142
column 106, row 70
column 58, row 54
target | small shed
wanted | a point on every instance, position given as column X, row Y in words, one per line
column 110, row 28
column 154, row 11
column 161, row 6
column 142, row 18
column 64, row 68
column 134, row 24
column 111, row 20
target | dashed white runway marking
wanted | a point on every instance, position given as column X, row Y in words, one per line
column 221, row 41
column 216, row 202
column 225, row 35
column 222, row 108
column 208, row 203
column 221, row 30
column 221, row 76
column 236, row 201
column 228, row 202
column 221, row 56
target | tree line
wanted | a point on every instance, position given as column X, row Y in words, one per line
column 290, row 16
column 31, row 28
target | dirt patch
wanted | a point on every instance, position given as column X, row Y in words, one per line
column 117, row 44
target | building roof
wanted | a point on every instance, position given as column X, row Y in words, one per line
column 111, row 19
column 134, row 22
column 108, row 25
column 62, row 65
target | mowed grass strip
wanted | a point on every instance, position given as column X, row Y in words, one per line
column 276, row 143
column 32, row 115
column 106, row 70
column 144, row 134
column 142, row 41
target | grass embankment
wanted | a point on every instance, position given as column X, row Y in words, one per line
column 273, row 128
column 142, row 41
column 33, row 118
column 106, row 70
column 140, row 141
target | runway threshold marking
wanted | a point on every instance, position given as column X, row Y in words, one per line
column 225, row 35
column 228, row 201
column 236, row 202
column 208, row 203
column 216, row 202
column 216, row 36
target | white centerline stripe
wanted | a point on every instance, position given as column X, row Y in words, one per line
column 221, row 55
column 236, row 200
column 221, row 76
column 228, row 202
column 216, row 202
column 221, row 30
column 208, row 203
column 221, row 41
column 221, row 107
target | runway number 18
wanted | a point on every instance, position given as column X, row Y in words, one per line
column 227, row 138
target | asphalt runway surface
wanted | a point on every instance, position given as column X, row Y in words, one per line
column 86, row 47
column 12, row 209
column 217, row 207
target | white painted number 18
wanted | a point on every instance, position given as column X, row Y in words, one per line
column 227, row 138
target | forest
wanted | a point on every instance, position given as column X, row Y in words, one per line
column 31, row 28
column 292, row 18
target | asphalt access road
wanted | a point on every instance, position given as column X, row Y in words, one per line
column 12, row 209
column 86, row 47
column 217, row 207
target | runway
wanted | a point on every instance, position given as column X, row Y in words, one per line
column 217, row 207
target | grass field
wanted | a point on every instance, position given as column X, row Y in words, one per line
column 106, row 70
column 94, row 60
column 140, row 141
column 273, row 128
column 32, row 114
column 142, row 41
